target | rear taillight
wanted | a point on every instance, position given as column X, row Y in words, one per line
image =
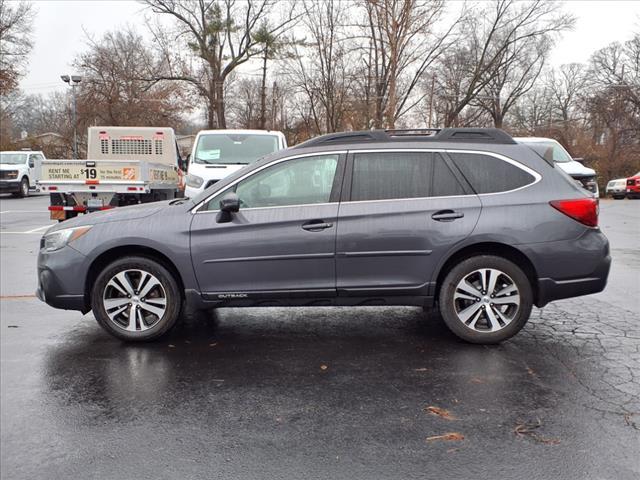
column 583, row 210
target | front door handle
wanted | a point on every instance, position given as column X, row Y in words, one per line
column 316, row 225
column 447, row 215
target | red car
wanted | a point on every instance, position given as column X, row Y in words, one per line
column 633, row 186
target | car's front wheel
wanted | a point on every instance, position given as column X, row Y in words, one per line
column 136, row 299
column 485, row 299
column 24, row 188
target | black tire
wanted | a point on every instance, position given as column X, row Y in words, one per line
column 170, row 289
column 24, row 188
column 467, row 267
column 618, row 197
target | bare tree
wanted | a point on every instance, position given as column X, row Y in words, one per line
column 116, row 87
column 16, row 21
column 494, row 38
column 566, row 84
column 319, row 67
column 513, row 79
column 220, row 33
column 402, row 45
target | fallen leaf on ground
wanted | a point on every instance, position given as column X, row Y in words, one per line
column 451, row 436
column 213, row 344
column 529, row 429
column 421, row 370
column 323, row 367
column 441, row 412
column 172, row 346
column 476, row 380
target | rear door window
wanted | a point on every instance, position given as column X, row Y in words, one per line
column 489, row 174
column 398, row 175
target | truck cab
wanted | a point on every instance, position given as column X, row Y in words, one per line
column 218, row 153
column 17, row 171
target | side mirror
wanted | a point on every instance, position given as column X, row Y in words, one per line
column 187, row 159
column 32, row 164
column 228, row 205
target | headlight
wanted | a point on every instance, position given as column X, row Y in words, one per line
column 194, row 180
column 58, row 239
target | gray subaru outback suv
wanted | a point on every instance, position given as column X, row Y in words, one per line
column 467, row 220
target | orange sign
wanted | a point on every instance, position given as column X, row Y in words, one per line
column 129, row 173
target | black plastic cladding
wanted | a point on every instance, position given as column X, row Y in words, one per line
column 462, row 135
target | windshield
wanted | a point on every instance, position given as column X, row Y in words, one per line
column 551, row 151
column 13, row 158
column 234, row 148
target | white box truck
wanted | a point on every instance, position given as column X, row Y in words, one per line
column 124, row 166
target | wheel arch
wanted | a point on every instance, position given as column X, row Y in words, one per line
column 112, row 254
column 490, row 248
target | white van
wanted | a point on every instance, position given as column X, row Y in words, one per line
column 551, row 150
column 218, row 153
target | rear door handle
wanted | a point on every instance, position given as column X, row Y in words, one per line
column 447, row 215
column 316, row 225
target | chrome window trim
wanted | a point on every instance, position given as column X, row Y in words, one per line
column 537, row 177
column 196, row 209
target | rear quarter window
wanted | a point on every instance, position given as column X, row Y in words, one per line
column 489, row 174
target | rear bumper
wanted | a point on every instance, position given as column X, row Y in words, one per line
column 570, row 268
column 550, row 289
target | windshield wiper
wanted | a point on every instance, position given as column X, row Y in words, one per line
column 178, row 201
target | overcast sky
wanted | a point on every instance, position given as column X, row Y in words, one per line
column 60, row 26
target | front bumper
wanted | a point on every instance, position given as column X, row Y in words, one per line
column 61, row 276
column 11, row 186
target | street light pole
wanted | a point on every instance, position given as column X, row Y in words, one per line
column 73, row 82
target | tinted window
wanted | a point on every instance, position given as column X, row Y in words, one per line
column 444, row 183
column 381, row 176
column 488, row 174
column 293, row 182
column 388, row 175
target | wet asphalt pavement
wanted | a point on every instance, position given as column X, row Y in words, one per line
column 320, row 393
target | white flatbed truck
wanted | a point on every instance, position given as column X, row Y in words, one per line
column 124, row 166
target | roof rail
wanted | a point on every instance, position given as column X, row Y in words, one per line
column 462, row 135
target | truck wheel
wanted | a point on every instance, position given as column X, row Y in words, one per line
column 485, row 299
column 24, row 188
column 136, row 299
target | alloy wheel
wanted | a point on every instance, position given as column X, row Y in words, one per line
column 134, row 300
column 486, row 300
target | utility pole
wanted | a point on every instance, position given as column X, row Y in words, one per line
column 73, row 81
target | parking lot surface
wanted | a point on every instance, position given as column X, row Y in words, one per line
column 350, row 393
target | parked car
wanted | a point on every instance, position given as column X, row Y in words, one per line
column 465, row 219
column 633, row 186
column 551, row 150
column 17, row 171
column 218, row 153
column 617, row 188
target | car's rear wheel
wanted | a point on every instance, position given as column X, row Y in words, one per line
column 136, row 299
column 485, row 299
